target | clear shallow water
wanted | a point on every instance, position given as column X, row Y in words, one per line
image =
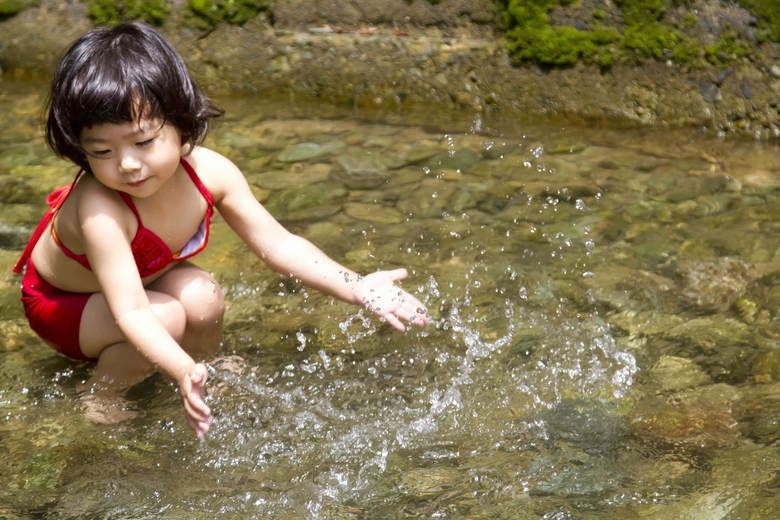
column 605, row 341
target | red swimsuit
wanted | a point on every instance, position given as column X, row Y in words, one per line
column 54, row 314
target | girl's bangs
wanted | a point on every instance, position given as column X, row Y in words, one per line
column 114, row 100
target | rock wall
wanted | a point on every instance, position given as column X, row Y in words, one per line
column 394, row 53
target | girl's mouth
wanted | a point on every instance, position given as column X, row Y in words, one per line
column 137, row 184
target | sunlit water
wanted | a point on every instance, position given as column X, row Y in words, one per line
column 604, row 342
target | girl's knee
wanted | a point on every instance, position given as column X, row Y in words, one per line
column 171, row 314
column 203, row 301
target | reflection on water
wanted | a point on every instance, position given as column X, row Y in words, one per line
column 606, row 309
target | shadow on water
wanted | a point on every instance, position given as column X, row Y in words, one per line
column 604, row 340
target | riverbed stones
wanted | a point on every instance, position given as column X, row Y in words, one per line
column 429, row 200
column 696, row 421
column 710, row 335
column 673, row 374
column 714, row 285
column 424, row 483
column 307, row 151
column 308, row 202
column 373, row 213
column 286, row 179
column 360, row 172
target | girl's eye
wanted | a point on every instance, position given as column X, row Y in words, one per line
column 100, row 153
column 144, row 143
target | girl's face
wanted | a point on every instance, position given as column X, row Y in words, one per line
column 137, row 158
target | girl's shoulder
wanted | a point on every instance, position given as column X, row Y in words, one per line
column 216, row 172
column 89, row 195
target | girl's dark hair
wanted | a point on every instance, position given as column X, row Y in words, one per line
column 118, row 75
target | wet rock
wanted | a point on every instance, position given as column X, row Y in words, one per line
column 590, row 425
column 766, row 367
column 280, row 180
column 565, row 147
column 307, row 151
column 746, row 90
column 695, row 250
column 17, row 189
column 22, row 155
column 374, row 213
column 710, row 335
column 714, row 285
column 764, row 429
column 14, row 237
column 14, row 334
column 495, row 151
column 673, row 374
column 710, row 92
column 574, row 478
column 313, row 201
column 429, row 200
column 459, row 160
column 16, row 133
column 747, row 310
column 646, row 323
column 693, row 187
column 712, row 205
column 360, row 172
column 696, row 422
column 723, row 75
column 425, row 483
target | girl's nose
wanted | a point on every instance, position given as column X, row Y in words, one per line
column 129, row 163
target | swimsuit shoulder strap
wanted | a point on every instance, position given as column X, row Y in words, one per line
column 54, row 200
column 198, row 183
column 130, row 204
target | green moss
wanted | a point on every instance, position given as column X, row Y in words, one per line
column 208, row 13
column 657, row 41
column 690, row 20
column 562, row 45
column 728, row 48
column 110, row 12
column 532, row 39
column 642, row 12
column 768, row 14
column 9, row 8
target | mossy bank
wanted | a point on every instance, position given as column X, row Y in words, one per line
column 700, row 63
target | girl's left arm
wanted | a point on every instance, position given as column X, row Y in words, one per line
column 298, row 258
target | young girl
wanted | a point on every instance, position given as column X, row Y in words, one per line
column 107, row 273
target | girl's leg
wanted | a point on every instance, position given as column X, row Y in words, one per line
column 201, row 297
column 187, row 301
column 119, row 363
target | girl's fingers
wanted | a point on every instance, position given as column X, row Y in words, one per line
column 196, row 408
column 394, row 322
column 397, row 274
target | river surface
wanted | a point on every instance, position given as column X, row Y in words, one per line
column 604, row 343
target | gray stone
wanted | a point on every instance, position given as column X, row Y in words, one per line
column 360, row 172
column 710, row 92
column 307, row 151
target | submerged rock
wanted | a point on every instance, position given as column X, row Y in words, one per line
column 307, row 151
column 673, row 374
column 374, row 213
column 308, row 202
column 714, row 285
column 360, row 172
column 697, row 422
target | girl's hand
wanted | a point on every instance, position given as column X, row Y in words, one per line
column 380, row 295
column 193, row 388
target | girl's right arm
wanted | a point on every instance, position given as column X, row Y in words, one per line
column 107, row 243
